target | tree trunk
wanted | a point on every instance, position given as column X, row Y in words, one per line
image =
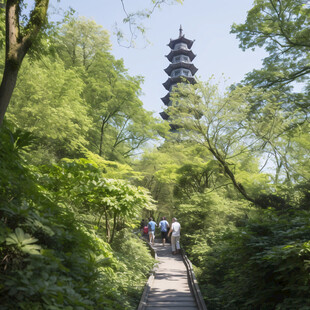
column 101, row 138
column 114, row 227
column 107, row 225
column 6, row 89
column 17, row 45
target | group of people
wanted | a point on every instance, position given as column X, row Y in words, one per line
column 166, row 230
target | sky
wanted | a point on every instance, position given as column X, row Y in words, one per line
column 208, row 22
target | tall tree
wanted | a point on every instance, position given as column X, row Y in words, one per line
column 120, row 124
column 79, row 40
column 282, row 27
column 221, row 124
column 18, row 41
column 50, row 106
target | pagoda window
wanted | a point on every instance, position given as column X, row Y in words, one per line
column 179, row 46
column 176, row 72
column 185, row 58
column 176, row 59
column 186, row 72
column 180, row 58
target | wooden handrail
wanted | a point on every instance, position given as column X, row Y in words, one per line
column 148, row 285
column 192, row 281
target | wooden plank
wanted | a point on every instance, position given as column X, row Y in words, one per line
column 172, row 304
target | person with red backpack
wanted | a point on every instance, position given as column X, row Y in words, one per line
column 145, row 230
column 142, row 227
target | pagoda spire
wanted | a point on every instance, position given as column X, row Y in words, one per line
column 180, row 31
column 181, row 69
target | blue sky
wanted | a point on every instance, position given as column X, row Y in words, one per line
column 208, row 22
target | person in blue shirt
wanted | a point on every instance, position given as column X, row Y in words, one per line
column 164, row 227
column 151, row 226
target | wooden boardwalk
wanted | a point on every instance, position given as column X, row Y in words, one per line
column 169, row 288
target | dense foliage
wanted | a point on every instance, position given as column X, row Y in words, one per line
column 235, row 173
column 262, row 264
column 68, row 215
column 55, row 254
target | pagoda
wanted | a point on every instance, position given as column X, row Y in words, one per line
column 180, row 69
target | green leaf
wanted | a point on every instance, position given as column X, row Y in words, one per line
column 23, row 242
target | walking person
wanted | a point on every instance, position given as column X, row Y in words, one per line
column 151, row 226
column 164, row 227
column 142, row 224
column 174, row 231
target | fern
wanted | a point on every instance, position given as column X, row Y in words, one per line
column 23, row 242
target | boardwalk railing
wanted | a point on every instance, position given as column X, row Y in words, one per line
column 192, row 281
column 148, row 285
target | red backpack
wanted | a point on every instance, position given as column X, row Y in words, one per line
column 145, row 230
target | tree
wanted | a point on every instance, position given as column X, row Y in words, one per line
column 282, row 27
column 120, row 124
column 197, row 178
column 89, row 102
column 176, row 171
column 50, row 107
column 220, row 124
column 159, row 166
column 113, row 204
column 18, row 41
column 79, row 40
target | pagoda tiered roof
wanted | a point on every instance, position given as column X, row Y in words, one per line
column 174, row 80
column 166, row 99
column 164, row 115
column 182, row 64
column 186, row 52
column 181, row 39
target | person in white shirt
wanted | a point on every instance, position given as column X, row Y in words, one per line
column 174, row 231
